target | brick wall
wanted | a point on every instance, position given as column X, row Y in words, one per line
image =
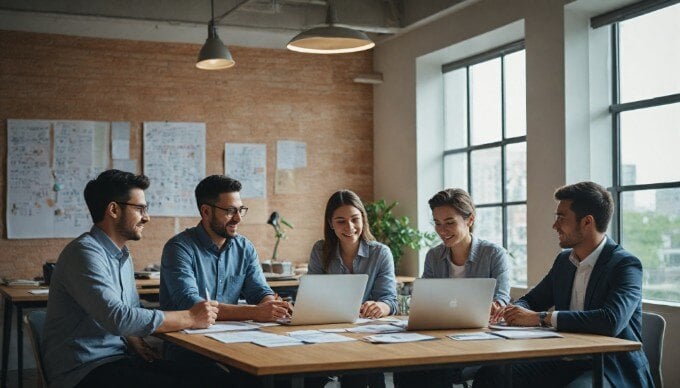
column 269, row 95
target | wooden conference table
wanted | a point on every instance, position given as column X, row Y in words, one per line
column 20, row 298
column 297, row 362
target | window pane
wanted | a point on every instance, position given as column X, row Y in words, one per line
column 649, row 58
column 515, row 95
column 649, row 145
column 516, row 172
column 485, row 105
column 455, row 109
column 651, row 231
column 486, row 176
column 488, row 224
column 517, row 244
column 455, row 171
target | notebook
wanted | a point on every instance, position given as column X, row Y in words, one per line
column 328, row 299
column 450, row 303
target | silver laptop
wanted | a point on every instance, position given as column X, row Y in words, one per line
column 450, row 303
column 328, row 299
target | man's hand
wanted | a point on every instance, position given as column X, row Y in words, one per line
column 272, row 310
column 203, row 314
column 372, row 309
column 140, row 347
column 519, row 316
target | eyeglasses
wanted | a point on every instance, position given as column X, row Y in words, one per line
column 142, row 209
column 231, row 211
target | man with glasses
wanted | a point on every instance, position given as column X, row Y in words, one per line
column 212, row 261
column 95, row 323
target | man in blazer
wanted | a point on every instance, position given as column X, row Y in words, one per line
column 595, row 286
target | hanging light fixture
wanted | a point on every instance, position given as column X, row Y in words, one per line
column 331, row 39
column 214, row 55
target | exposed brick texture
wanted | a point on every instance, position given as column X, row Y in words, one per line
column 269, row 95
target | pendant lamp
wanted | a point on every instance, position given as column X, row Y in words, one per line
column 214, row 55
column 330, row 39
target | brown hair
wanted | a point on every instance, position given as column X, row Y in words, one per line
column 330, row 241
column 458, row 199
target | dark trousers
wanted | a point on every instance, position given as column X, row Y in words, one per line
column 133, row 372
column 363, row 380
column 535, row 374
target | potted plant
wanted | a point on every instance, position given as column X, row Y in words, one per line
column 395, row 232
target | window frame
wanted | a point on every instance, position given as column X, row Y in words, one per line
column 498, row 52
column 616, row 108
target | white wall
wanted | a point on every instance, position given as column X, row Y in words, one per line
column 567, row 117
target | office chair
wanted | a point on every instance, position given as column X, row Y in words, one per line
column 653, row 328
column 35, row 321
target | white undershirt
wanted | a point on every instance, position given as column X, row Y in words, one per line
column 583, row 271
column 456, row 271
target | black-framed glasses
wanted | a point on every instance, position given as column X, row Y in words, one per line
column 231, row 211
column 142, row 209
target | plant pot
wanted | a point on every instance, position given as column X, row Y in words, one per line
column 280, row 267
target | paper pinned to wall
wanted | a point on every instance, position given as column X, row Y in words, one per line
column 247, row 162
column 120, row 140
column 291, row 154
column 174, row 160
column 128, row 165
column 49, row 163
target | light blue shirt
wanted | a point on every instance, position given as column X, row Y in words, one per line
column 485, row 260
column 192, row 264
column 373, row 259
column 93, row 303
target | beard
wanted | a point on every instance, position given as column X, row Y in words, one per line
column 572, row 240
column 127, row 229
column 220, row 228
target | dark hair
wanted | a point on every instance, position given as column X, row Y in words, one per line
column 111, row 186
column 588, row 198
column 458, row 199
column 330, row 241
column 209, row 189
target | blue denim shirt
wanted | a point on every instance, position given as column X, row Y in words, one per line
column 486, row 260
column 192, row 263
column 93, row 303
column 373, row 259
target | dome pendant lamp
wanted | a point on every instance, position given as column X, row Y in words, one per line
column 214, row 55
column 330, row 39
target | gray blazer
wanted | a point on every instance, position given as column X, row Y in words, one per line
column 486, row 260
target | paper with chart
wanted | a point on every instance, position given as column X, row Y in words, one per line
column 247, row 162
column 174, row 160
column 291, row 157
column 48, row 165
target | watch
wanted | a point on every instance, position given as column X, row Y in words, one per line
column 541, row 318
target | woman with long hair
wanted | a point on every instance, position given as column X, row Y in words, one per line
column 349, row 247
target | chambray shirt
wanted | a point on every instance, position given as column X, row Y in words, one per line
column 373, row 259
column 486, row 260
column 93, row 303
column 192, row 264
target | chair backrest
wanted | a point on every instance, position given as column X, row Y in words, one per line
column 653, row 327
column 35, row 321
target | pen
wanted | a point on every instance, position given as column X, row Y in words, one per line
column 207, row 294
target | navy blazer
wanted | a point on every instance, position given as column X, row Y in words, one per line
column 612, row 307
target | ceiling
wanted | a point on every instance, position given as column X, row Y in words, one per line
column 271, row 22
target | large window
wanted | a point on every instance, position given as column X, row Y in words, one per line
column 485, row 145
column 646, row 136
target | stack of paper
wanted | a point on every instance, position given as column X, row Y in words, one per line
column 526, row 334
column 41, row 291
column 376, row 329
column 482, row 335
column 318, row 337
column 397, row 338
column 223, row 326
